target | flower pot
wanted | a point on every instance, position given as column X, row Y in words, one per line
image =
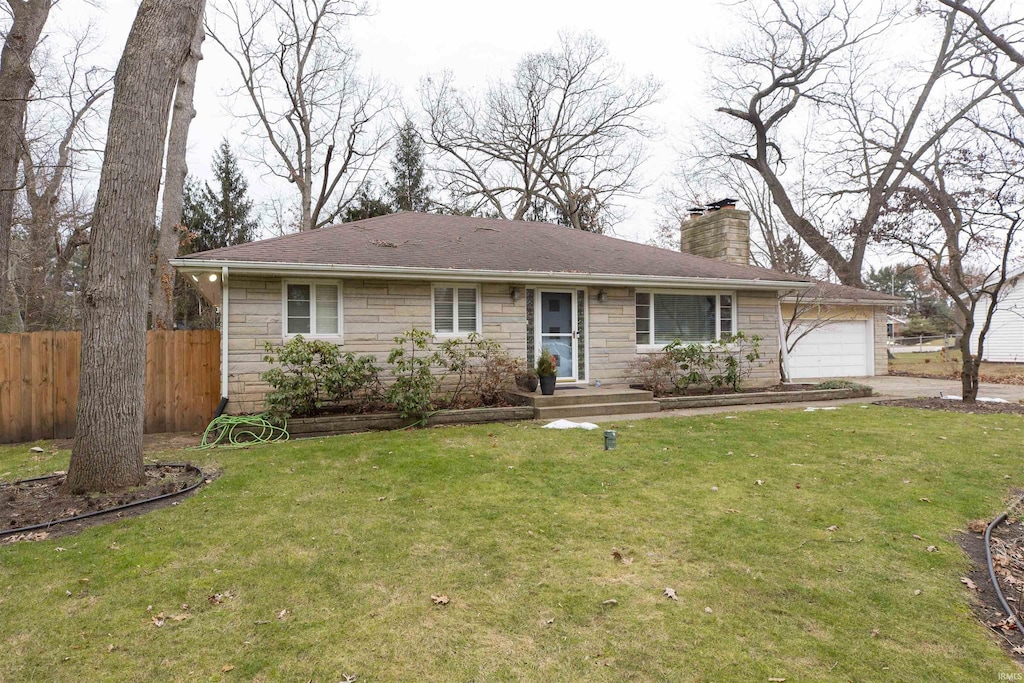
column 547, row 385
column 527, row 382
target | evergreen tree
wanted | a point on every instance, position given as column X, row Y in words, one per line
column 221, row 213
column 408, row 190
column 366, row 204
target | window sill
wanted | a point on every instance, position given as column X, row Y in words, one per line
column 332, row 338
column 453, row 335
column 658, row 348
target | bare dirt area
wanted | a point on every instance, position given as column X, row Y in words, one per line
column 951, row 406
column 45, row 501
column 1008, row 560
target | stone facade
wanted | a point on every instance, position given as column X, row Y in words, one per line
column 723, row 235
column 375, row 311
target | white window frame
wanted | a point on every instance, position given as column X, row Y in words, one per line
column 718, row 294
column 456, row 334
column 339, row 337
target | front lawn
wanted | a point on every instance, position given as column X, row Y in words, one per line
column 314, row 560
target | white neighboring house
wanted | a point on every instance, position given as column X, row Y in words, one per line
column 1004, row 342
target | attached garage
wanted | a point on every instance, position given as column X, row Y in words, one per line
column 835, row 331
column 840, row 348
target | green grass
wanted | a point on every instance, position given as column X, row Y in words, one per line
column 516, row 524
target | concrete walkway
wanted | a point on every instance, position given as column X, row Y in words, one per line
column 885, row 387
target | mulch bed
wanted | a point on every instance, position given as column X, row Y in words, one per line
column 1008, row 558
column 41, row 502
column 979, row 408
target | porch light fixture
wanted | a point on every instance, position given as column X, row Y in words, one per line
column 602, row 296
column 514, row 293
column 213, row 277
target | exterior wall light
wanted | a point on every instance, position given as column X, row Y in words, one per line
column 602, row 296
column 514, row 294
column 213, row 277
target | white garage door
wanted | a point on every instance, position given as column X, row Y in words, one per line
column 835, row 349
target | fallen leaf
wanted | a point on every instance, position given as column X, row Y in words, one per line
column 440, row 599
column 179, row 617
column 707, row 610
column 611, row 601
column 916, row 537
column 967, row 582
column 978, row 526
column 932, row 549
column 832, row 528
column 549, row 622
column 36, row 449
column 924, row 500
column 917, row 592
column 284, row 613
column 714, row 488
column 159, row 620
column 775, row 679
column 226, row 668
column 670, row 593
column 874, row 633
column 759, row 482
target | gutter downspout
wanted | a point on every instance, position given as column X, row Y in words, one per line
column 783, row 351
column 224, row 334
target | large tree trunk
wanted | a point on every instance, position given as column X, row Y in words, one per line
column 970, row 367
column 174, row 186
column 107, row 452
column 16, row 81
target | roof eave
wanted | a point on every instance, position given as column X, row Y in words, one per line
column 405, row 273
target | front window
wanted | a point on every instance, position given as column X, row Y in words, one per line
column 664, row 318
column 456, row 310
column 313, row 309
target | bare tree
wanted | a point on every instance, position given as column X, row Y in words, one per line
column 57, row 149
column 16, row 81
column 960, row 216
column 169, row 238
column 1006, row 35
column 107, row 451
column 321, row 124
column 873, row 125
column 564, row 136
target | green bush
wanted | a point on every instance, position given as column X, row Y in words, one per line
column 723, row 363
column 415, row 384
column 546, row 364
column 840, row 384
column 310, row 374
column 298, row 376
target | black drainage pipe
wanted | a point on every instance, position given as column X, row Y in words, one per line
column 188, row 467
column 988, row 558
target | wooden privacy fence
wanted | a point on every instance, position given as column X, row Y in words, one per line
column 39, row 382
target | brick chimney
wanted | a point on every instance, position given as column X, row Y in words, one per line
column 719, row 231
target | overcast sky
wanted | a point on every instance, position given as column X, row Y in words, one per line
column 405, row 40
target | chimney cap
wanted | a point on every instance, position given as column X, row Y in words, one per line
column 696, row 210
column 727, row 203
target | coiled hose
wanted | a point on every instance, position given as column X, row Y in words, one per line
column 988, row 558
column 234, row 431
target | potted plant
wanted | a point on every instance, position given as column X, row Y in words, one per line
column 546, row 371
column 527, row 380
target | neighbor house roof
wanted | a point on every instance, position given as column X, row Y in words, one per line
column 830, row 292
column 411, row 243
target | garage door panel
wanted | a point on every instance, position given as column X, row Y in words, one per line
column 835, row 349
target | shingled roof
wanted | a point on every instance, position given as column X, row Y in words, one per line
column 422, row 241
column 831, row 292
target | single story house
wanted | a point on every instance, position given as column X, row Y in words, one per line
column 595, row 301
column 1004, row 342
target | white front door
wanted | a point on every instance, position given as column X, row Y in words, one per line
column 558, row 331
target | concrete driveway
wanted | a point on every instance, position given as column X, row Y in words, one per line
column 887, row 386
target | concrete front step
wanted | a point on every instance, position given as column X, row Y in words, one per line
column 585, row 396
column 581, row 409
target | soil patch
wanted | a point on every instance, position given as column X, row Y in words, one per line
column 45, row 501
column 1008, row 558
column 722, row 391
column 979, row 408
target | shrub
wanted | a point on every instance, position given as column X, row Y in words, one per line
column 414, row 386
column 839, row 384
column 496, row 375
column 726, row 362
column 299, row 380
column 355, row 378
column 546, row 364
column 654, row 372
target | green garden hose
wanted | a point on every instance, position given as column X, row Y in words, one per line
column 232, row 431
